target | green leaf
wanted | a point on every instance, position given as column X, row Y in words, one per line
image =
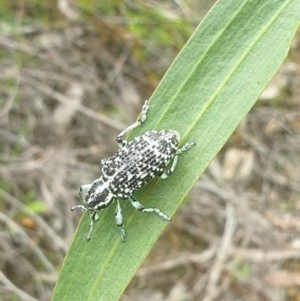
column 37, row 206
column 209, row 88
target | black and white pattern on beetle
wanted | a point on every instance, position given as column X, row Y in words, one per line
column 135, row 164
column 142, row 159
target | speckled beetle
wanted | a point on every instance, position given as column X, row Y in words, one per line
column 135, row 164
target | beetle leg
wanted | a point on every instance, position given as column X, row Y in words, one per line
column 88, row 237
column 119, row 220
column 136, row 204
column 168, row 172
column 141, row 119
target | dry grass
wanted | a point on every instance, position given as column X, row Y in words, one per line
column 67, row 91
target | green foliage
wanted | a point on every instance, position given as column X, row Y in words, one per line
column 239, row 270
column 105, row 8
column 7, row 23
column 36, row 206
column 208, row 90
column 154, row 26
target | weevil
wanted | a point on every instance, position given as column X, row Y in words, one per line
column 135, row 164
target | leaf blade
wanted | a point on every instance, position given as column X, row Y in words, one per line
column 209, row 88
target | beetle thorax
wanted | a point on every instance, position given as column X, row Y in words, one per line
column 99, row 196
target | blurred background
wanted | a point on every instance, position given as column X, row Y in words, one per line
column 73, row 75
